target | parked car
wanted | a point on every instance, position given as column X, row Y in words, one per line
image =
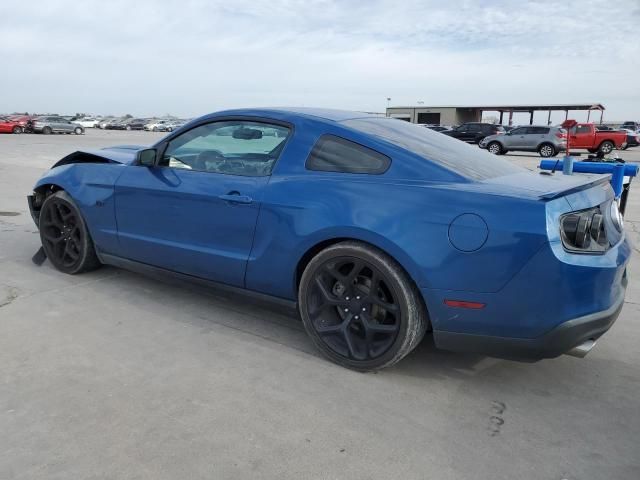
column 586, row 136
column 55, row 124
column 87, row 122
column 435, row 128
column 377, row 230
column 633, row 138
column 474, row 132
column 174, row 125
column 25, row 122
column 547, row 141
column 102, row 124
column 7, row 125
column 126, row 124
column 635, row 126
column 157, row 125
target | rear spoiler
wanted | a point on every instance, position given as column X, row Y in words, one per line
column 600, row 180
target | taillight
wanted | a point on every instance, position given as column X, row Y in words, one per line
column 561, row 135
column 584, row 232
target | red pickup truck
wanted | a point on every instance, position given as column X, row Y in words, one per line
column 585, row 135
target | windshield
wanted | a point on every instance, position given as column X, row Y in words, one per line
column 468, row 161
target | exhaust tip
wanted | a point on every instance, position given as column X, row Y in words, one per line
column 581, row 350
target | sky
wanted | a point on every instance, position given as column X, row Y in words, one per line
column 188, row 58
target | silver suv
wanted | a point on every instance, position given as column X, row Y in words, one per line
column 547, row 141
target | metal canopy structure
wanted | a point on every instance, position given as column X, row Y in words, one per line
column 477, row 110
column 550, row 108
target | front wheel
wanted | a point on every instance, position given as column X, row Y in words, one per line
column 17, row 129
column 606, row 147
column 547, row 150
column 64, row 235
column 360, row 308
column 47, row 130
column 495, row 148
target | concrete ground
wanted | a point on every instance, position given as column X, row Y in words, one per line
column 112, row 375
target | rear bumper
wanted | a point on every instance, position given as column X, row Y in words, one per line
column 557, row 341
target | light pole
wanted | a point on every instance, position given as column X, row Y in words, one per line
column 388, row 103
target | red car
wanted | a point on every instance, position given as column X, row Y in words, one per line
column 8, row 125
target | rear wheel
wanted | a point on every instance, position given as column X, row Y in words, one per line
column 547, row 150
column 606, row 147
column 47, row 130
column 17, row 129
column 78, row 131
column 495, row 148
column 64, row 235
column 360, row 308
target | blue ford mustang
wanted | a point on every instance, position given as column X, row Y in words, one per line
column 376, row 229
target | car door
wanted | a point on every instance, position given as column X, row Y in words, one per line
column 517, row 138
column 581, row 136
column 474, row 131
column 195, row 211
column 535, row 136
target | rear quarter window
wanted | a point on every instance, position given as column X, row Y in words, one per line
column 450, row 153
column 336, row 154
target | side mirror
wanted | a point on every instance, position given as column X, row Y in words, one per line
column 146, row 157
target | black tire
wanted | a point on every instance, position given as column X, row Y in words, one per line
column 495, row 148
column 169, row 129
column 47, row 130
column 128, row 127
column 547, row 150
column 17, row 130
column 348, row 322
column 64, row 235
column 78, row 131
column 592, row 150
column 606, row 147
column 154, row 129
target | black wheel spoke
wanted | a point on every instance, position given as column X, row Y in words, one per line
column 390, row 307
column 327, row 297
column 52, row 238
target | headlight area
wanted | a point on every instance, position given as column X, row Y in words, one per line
column 584, row 231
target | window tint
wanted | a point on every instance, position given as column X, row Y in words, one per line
column 232, row 148
column 519, row 131
column 450, row 153
column 538, row 130
column 583, row 129
column 474, row 128
column 335, row 154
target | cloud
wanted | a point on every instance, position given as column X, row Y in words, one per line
column 192, row 57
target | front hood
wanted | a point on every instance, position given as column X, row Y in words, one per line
column 123, row 154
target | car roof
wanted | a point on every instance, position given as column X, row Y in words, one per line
column 322, row 113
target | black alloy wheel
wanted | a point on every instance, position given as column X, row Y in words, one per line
column 64, row 235
column 359, row 307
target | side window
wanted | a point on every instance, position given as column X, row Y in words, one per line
column 539, row 130
column 230, row 147
column 336, row 154
column 583, row 129
column 474, row 128
column 519, row 131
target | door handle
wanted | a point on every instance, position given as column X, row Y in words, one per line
column 235, row 197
